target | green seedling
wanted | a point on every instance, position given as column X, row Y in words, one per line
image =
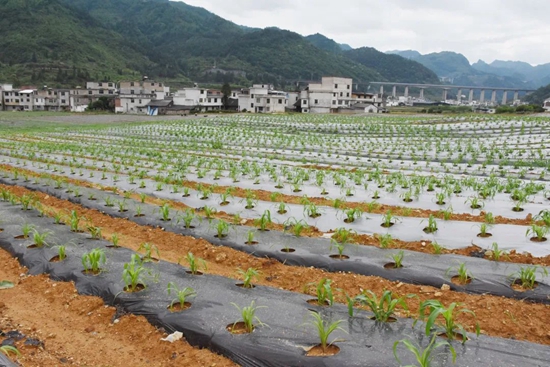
column 181, row 294
column 449, row 326
column 423, row 356
column 165, row 212
column 384, row 240
column 537, row 233
column 248, row 276
column 149, row 249
column 496, row 253
column 324, row 329
column 388, row 219
column 39, row 239
column 383, row 307
column 133, row 274
column 74, row 221
column 463, row 274
column 323, row 290
column 114, row 239
column 222, row 229
column 248, row 315
column 95, row 232
column 8, row 349
column 526, row 277
column 432, row 225
column 264, row 221
column 26, row 229
column 93, row 260
column 194, row 263
column 398, row 259
column 61, row 252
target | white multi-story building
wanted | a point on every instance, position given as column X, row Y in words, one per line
column 4, row 88
column 80, row 99
column 200, row 99
column 262, row 98
column 49, row 99
column 134, row 96
column 332, row 93
column 546, row 105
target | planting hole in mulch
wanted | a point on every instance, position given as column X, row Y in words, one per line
column 349, row 220
column 387, row 225
column 392, row 266
column 456, row 280
column 456, row 336
column 251, row 243
column 429, row 230
column 221, row 237
column 224, row 203
column 317, row 351
column 92, row 272
column 238, row 328
column 177, row 307
column 56, row 259
column 77, row 231
column 241, row 285
column 408, row 200
column 20, row 237
column 315, row 302
column 484, row 235
column 390, row 319
column 196, row 272
column 339, row 257
column 375, row 197
column 288, row 250
column 34, row 245
column 475, row 206
column 518, row 287
column 138, row 288
column 281, row 211
column 517, row 210
column 536, row 239
column 123, row 211
column 166, row 220
column 139, row 215
column 317, row 215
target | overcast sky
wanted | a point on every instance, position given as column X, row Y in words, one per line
column 479, row 29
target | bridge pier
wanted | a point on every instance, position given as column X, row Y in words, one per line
column 445, row 90
column 494, row 96
column 482, row 96
column 516, row 95
column 505, row 97
column 406, row 91
column 421, row 93
column 471, row 97
column 382, row 90
column 459, row 96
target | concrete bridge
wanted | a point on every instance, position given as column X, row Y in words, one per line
column 445, row 89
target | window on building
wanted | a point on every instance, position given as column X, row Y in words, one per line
column 316, row 101
column 257, row 100
column 110, row 91
column 201, row 100
column 132, row 91
column 333, row 102
column 63, row 101
column 209, row 100
column 334, row 94
column 160, row 84
column 100, row 84
column 347, row 94
column 267, row 109
column 140, row 101
column 152, row 84
column 280, row 101
column 110, row 84
column 341, row 94
column 202, row 91
column 339, row 102
column 304, row 102
column 89, row 92
column 101, row 91
column 268, row 101
column 335, row 86
column 131, row 84
column 215, row 100
column 347, row 86
column 252, row 105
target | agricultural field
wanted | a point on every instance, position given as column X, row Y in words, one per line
column 292, row 240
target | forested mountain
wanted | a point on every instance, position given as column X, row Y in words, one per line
column 65, row 42
column 538, row 96
column 537, row 75
column 455, row 66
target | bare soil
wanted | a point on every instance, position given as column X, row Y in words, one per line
column 81, row 331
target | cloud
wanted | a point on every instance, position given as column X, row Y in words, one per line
column 479, row 29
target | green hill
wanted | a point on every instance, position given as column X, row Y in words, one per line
column 66, row 42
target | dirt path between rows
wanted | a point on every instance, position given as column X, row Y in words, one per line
column 497, row 316
column 79, row 330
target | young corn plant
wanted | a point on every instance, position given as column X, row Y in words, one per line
column 134, row 274
column 264, row 221
column 8, row 349
column 484, row 230
column 222, row 229
column 282, row 208
column 432, row 225
column 248, row 315
column 352, row 215
column 95, row 232
column 323, row 290
column 248, row 275
column 39, row 239
column 26, row 230
column 526, row 277
column 61, row 252
column 182, row 295
column 537, row 233
column 93, row 260
column 149, row 250
column 424, row 357
column 194, row 263
column 388, row 219
column 397, row 260
column 463, row 274
column 115, row 238
column 250, row 235
column 383, row 307
column 295, row 226
column 74, row 221
column 165, row 212
column 384, row 240
column 449, row 326
column 495, row 253
column 324, row 329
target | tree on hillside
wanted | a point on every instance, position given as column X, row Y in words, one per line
column 226, row 91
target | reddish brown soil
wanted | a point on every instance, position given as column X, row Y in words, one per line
column 317, row 351
column 78, row 330
column 497, row 316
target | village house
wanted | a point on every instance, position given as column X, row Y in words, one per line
column 81, row 98
column 262, row 98
column 546, row 105
column 134, row 96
